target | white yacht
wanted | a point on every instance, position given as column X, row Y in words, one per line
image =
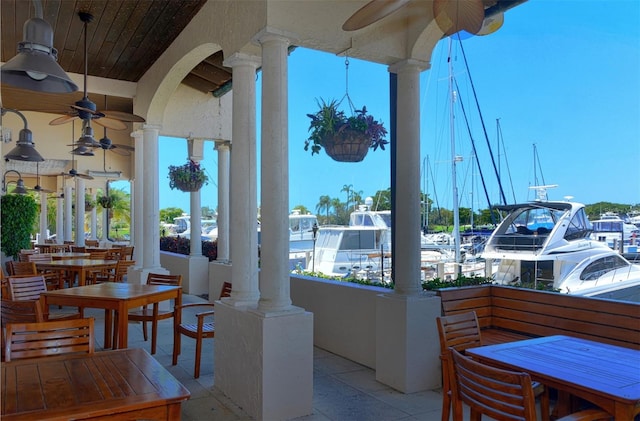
column 616, row 232
column 301, row 231
column 550, row 242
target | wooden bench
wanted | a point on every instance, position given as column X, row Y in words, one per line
column 506, row 314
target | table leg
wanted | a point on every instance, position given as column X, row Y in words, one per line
column 123, row 322
column 82, row 276
column 108, row 326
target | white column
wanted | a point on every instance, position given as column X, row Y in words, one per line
column 137, row 194
column 60, row 219
column 244, row 201
column 274, row 203
column 405, row 349
column 43, row 217
column 94, row 217
column 79, row 240
column 223, row 149
column 104, row 215
column 68, row 206
column 264, row 355
column 195, row 154
column 151, row 200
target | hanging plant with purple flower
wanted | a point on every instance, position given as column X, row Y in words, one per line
column 189, row 177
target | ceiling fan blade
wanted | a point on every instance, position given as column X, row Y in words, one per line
column 62, row 120
column 456, row 15
column 118, row 151
column 110, row 123
column 125, row 147
column 372, row 12
column 122, row 116
column 87, row 110
column 42, row 190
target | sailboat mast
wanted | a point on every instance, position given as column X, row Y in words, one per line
column 456, row 210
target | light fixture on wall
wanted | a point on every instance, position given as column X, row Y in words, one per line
column 35, row 66
column 20, row 188
column 25, row 149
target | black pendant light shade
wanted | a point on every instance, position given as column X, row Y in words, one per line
column 35, row 66
column 25, row 149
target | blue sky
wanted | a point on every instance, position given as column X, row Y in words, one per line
column 563, row 75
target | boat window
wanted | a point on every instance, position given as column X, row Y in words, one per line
column 607, row 226
column 354, row 240
column 579, row 226
column 294, row 224
column 601, row 266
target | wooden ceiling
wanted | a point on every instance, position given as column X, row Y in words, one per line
column 124, row 39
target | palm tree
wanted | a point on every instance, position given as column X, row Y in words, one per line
column 347, row 188
column 324, row 205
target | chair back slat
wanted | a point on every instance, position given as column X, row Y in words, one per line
column 28, row 311
column 459, row 331
column 226, row 290
column 39, row 257
column 26, row 287
column 31, row 340
column 163, row 279
column 500, row 394
column 21, row 268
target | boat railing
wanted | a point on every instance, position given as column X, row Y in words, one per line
column 519, row 242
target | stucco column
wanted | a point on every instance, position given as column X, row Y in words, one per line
column 43, row 217
column 94, row 217
column 274, row 203
column 244, row 201
column 79, row 240
column 195, row 154
column 60, row 219
column 406, row 352
column 137, row 193
column 68, row 206
column 264, row 355
column 151, row 200
column 223, row 148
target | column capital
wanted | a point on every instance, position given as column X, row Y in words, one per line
column 242, row 59
column 222, row 145
column 156, row 127
column 409, row 64
column 269, row 34
column 137, row 134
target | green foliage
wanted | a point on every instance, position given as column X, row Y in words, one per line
column 302, row 209
column 329, row 121
column 168, row 214
column 182, row 245
column 187, row 177
column 18, row 215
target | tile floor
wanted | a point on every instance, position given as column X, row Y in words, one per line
column 343, row 390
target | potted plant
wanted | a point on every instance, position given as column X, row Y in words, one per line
column 89, row 203
column 107, row 201
column 345, row 139
column 188, row 177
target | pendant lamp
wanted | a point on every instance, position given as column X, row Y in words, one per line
column 35, row 66
column 20, row 188
column 25, row 149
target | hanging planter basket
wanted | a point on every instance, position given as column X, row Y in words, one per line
column 189, row 177
column 106, row 201
column 188, row 185
column 347, row 146
column 88, row 207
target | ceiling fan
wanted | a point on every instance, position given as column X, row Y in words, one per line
column 451, row 16
column 85, row 109
column 106, row 144
column 37, row 187
column 77, row 151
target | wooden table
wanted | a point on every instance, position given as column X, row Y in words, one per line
column 67, row 255
column 606, row 375
column 119, row 297
column 121, row 384
column 78, row 266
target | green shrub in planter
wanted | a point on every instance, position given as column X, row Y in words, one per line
column 18, row 215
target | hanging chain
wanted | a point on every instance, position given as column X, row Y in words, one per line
column 346, row 94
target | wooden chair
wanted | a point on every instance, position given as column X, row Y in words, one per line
column 115, row 275
column 29, row 268
column 19, row 312
column 4, row 286
column 31, row 340
column 78, row 249
column 153, row 314
column 24, row 254
column 461, row 332
column 500, row 394
column 92, row 243
column 29, row 288
column 98, row 255
column 199, row 330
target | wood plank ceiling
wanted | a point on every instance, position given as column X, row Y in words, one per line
column 124, row 39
